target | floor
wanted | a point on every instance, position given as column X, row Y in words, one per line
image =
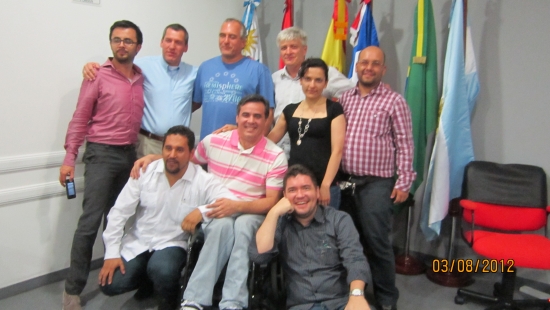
column 417, row 292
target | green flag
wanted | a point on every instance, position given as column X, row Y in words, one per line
column 421, row 90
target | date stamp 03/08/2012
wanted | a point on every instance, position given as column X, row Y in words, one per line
column 472, row 265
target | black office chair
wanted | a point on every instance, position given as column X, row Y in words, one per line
column 500, row 203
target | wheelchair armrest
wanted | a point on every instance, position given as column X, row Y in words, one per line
column 198, row 236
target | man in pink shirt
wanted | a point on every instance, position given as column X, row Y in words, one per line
column 108, row 115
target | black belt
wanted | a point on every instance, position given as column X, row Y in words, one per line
column 150, row 135
column 121, row 147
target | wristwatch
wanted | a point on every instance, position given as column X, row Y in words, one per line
column 356, row 292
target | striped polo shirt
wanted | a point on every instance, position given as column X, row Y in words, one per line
column 247, row 173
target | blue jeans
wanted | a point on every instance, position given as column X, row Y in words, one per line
column 373, row 208
column 335, row 197
column 106, row 172
column 160, row 268
column 226, row 240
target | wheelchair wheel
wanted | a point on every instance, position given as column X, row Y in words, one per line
column 277, row 281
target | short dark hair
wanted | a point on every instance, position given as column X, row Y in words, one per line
column 127, row 24
column 177, row 27
column 182, row 131
column 313, row 63
column 296, row 170
column 244, row 33
column 254, row 98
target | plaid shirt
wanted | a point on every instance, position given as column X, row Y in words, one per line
column 378, row 136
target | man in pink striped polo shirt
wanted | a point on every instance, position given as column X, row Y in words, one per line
column 252, row 167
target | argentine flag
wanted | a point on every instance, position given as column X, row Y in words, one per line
column 453, row 147
column 253, row 48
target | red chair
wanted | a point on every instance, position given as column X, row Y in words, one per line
column 501, row 203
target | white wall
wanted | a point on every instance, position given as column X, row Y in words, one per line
column 510, row 123
column 44, row 46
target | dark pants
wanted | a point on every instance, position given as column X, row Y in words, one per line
column 160, row 268
column 373, row 208
column 323, row 307
column 107, row 171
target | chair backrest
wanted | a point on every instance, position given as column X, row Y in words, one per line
column 505, row 184
column 507, row 196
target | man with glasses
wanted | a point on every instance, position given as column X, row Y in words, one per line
column 168, row 89
column 108, row 115
column 378, row 145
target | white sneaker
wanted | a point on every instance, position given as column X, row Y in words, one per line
column 71, row 302
column 190, row 305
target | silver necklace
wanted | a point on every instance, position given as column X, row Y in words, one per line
column 306, row 127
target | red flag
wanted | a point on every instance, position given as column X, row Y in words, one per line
column 288, row 21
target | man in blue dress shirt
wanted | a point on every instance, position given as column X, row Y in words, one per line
column 168, row 89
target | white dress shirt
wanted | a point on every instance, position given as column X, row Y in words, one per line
column 288, row 90
column 159, row 210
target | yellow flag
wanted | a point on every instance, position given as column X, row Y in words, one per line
column 334, row 53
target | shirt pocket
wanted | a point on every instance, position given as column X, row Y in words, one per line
column 328, row 252
column 179, row 211
column 377, row 122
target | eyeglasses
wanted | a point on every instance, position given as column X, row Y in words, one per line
column 117, row 41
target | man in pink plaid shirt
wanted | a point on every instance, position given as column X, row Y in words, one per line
column 378, row 145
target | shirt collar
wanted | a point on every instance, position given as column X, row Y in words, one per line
column 378, row 90
column 256, row 149
column 189, row 174
column 109, row 63
column 319, row 214
column 166, row 66
column 284, row 74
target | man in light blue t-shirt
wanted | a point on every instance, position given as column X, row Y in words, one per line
column 223, row 80
column 167, row 89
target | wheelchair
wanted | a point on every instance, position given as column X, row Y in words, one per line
column 266, row 283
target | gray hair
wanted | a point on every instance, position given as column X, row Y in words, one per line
column 244, row 35
column 292, row 33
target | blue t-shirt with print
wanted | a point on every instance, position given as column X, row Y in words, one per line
column 220, row 87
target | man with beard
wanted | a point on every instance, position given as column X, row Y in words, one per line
column 168, row 88
column 323, row 260
column 377, row 146
column 108, row 115
column 152, row 253
column 252, row 167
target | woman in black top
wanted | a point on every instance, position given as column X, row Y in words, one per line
column 316, row 127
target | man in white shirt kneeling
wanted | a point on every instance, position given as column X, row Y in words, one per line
column 150, row 255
